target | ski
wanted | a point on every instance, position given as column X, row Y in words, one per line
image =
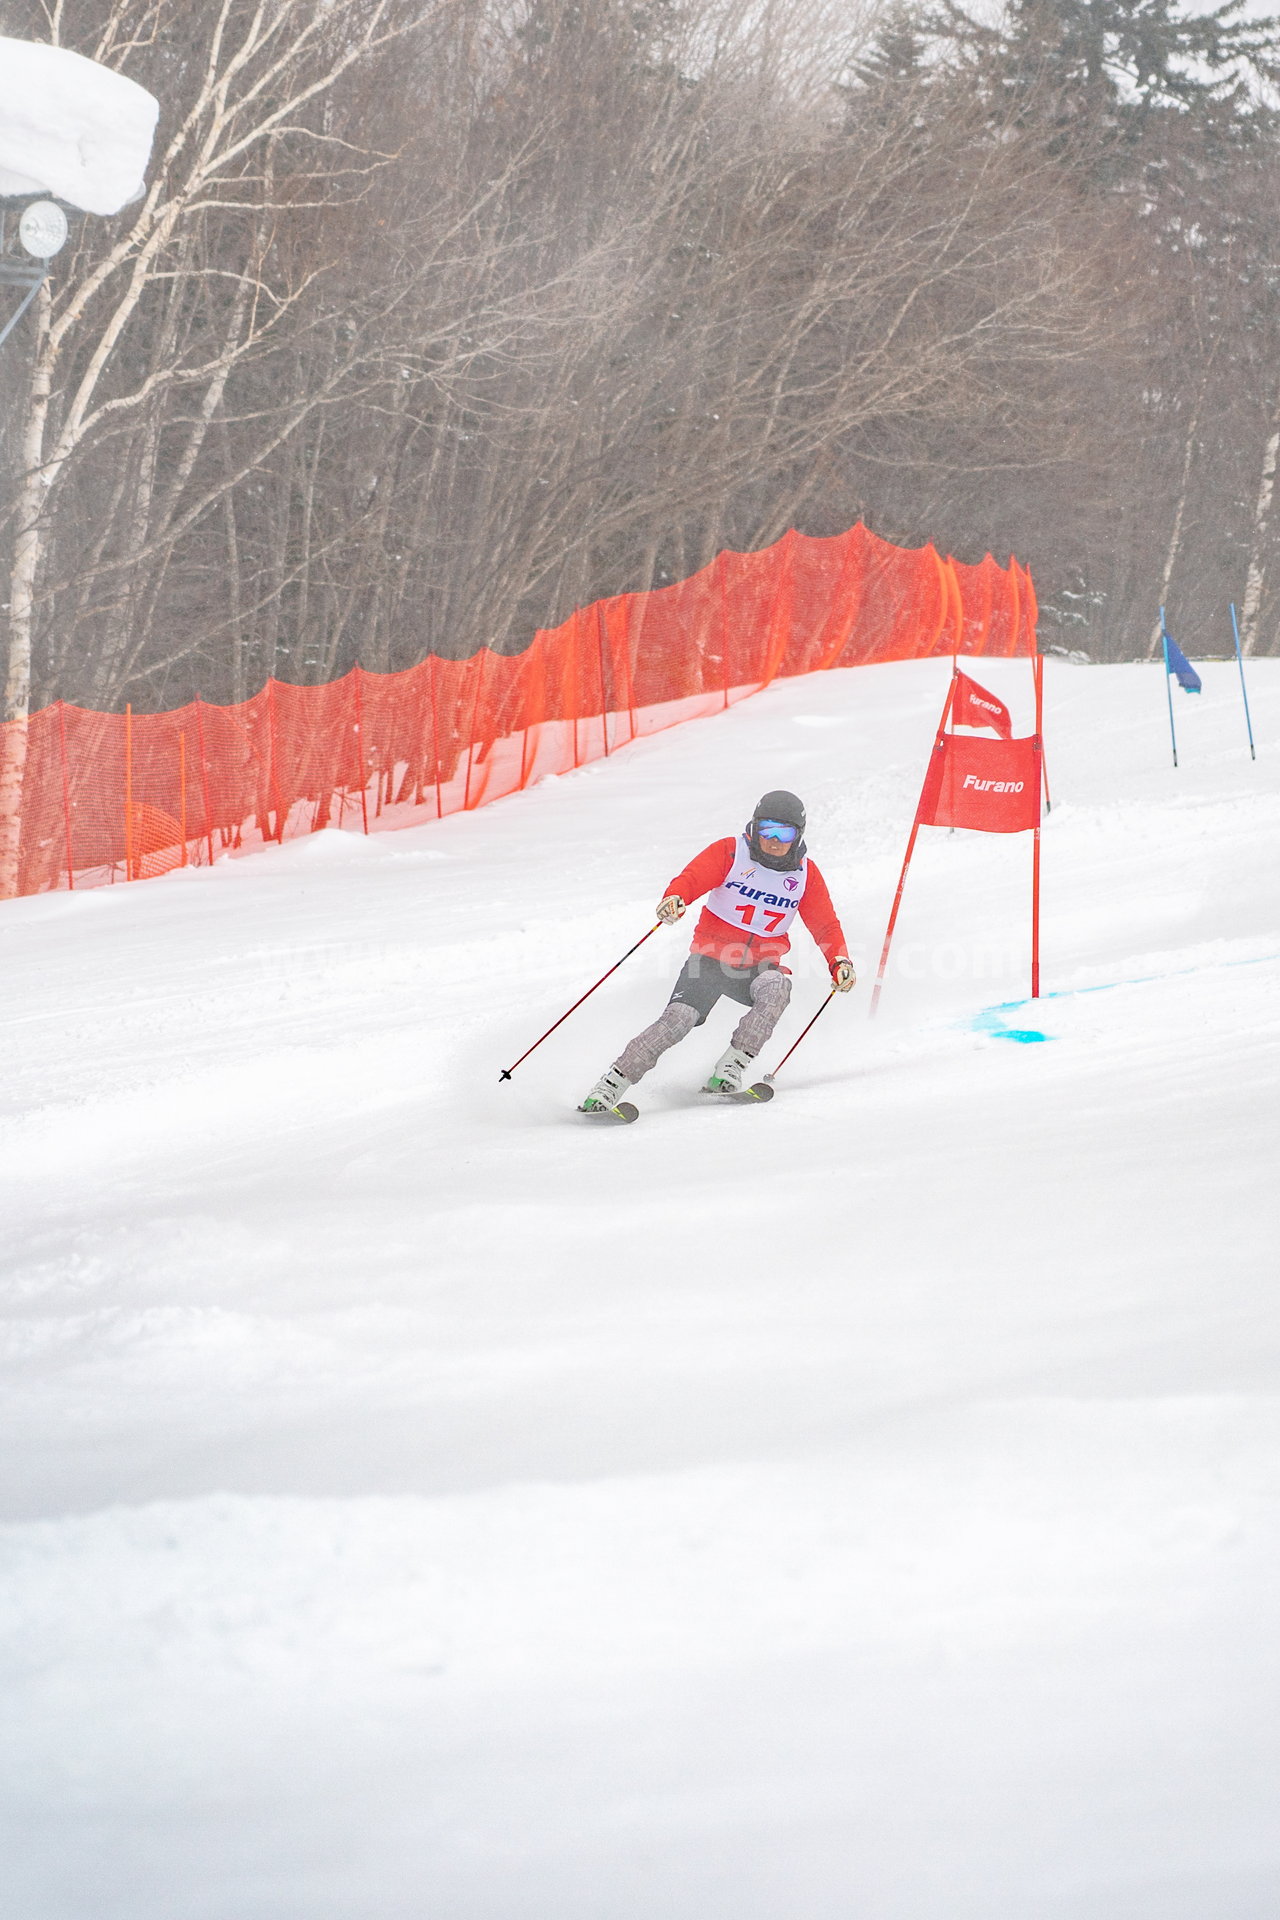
column 624, row 1113
column 759, row 1092
column 744, row 1096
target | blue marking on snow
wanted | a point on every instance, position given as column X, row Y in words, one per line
column 1139, row 980
column 990, row 1022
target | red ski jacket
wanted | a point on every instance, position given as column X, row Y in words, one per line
column 717, row 937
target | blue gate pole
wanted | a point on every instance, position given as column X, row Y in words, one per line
column 1244, row 691
column 1164, row 642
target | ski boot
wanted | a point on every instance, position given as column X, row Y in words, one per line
column 606, row 1096
column 726, row 1075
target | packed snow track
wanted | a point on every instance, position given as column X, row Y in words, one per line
column 422, row 1505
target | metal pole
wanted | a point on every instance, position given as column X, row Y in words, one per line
column 771, row 1077
column 12, row 322
column 508, row 1071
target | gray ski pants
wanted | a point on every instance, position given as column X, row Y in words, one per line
column 764, row 991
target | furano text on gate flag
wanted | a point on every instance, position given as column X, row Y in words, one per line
column 973, row 706
column 992, row 786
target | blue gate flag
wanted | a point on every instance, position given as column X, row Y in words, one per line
column 1177, row 663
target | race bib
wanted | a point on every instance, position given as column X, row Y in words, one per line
column 757, row 900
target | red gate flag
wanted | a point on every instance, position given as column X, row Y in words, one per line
column 991, row 786
column 973, row 706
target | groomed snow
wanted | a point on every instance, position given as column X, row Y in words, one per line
column 422, row 1504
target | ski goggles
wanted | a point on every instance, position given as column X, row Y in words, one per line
column 776, row 830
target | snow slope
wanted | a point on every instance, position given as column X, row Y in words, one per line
column 418, row 1503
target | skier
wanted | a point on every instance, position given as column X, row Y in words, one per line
column 738, row 946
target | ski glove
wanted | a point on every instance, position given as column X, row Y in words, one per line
column 842, row 975
column 671, row 908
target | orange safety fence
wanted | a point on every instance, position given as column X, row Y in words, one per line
column 110, row 796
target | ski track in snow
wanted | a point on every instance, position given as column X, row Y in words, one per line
column 420, row 1503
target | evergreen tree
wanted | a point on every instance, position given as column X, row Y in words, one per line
column 1115, row 61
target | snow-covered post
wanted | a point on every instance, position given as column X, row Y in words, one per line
column 73, row 128
column 22, row 578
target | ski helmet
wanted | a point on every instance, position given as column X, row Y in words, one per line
column 783, row 806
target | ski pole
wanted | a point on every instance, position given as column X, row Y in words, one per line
column 795, row 1043
column 508, row 1071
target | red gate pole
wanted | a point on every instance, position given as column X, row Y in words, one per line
column 204, row 779
column 911, row 847
column 1035, row 837
column 1044, row 765
column 66, row 794
column 893, row 919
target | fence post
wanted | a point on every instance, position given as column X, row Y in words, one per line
column 575, row 659
column 480, row 658
column 204, row 778
column 604, row 693
column 182, row 791
column 525, row 658
column 128, row 791
column 358, row 671
column 435, row 734
column 626, row 602
column 66, row 794
column 780, row 611
column 273, row 751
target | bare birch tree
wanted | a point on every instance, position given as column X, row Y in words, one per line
column 236, row 80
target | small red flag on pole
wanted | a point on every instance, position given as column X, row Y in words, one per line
column 973, row 706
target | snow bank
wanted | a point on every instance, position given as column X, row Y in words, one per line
column 72, row 128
